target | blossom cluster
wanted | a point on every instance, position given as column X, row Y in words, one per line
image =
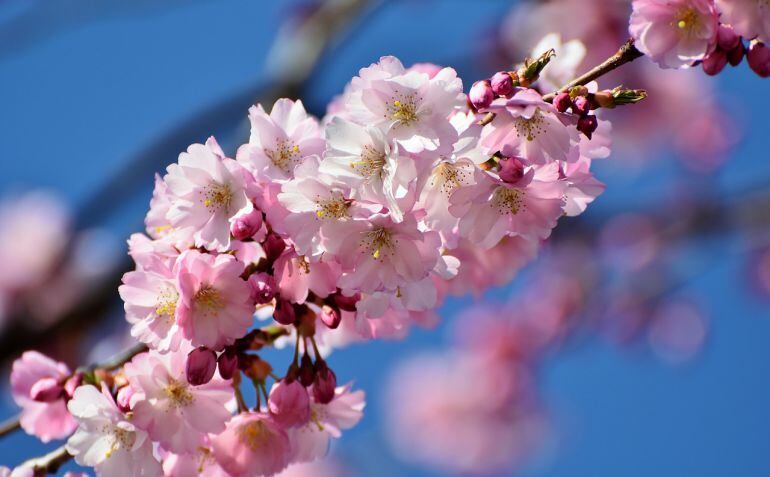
column 316, row 234
column 683, row 33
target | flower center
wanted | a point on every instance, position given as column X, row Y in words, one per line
column 178, row 394
column 687, row 20
column 378, row 242
column 508, row 201
column 335, row 207
column 121, row 438
column 209, row 300
column 371, row 164
column 403, row 108
column 166, row 304
column 217, row 196
column 529, row 128
column 284, row 156
column 206, row 459
column 254, row 434
column 447, row 178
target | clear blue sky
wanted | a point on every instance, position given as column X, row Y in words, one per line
column 87, row 84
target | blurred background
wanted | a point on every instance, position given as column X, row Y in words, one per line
column 636, row 344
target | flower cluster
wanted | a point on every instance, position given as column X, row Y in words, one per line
column 349, row 228
column 683, row 33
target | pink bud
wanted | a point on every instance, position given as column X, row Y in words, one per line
column 262, row 287
column 201, row 364
column 306, row 371
column 123, row 399
column 502, row 83
column 331, row 316
column 735, row 56
column 324, row 384
column 346, row 303
column 246, row 226
column 562, row 101
column 274, row 246
column 228, row 363
column 511, row 170
column 289, row 404
column 481, row 95
column 727, row 39
column 284, row 312
column 759, row 59
column 587, row 125
column 46, row 390
column 714, row 63
column 72, row 383
column 581, row 105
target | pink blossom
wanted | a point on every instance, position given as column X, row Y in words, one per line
column 280, row 141
column 215, row 306
column 492, row 209
column 526, row 126
column 289, row 403
column 200, row 463
column 149, row 254
column 208, row 191
column 253, row 444
column 674, row 33
column 311, row 441
column 408, row 106
column 582, row 187
column 173, row 412
column 45, row 420
column 106, row 439
column 749, row 18
column 296, row 276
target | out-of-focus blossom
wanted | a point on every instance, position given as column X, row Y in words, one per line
column 749, row 18
column 252, row 444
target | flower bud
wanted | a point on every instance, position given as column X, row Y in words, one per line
column 587, row 125
column 274, row 247
column 727, row 39
column 46, row 390
column 562, row 101
column 331, row 316
column 605, row 99
column 735, row 56
column 289, row 404
column 324, row 384
column 262, row 287
column 502, row 83
column 247, row 225
column 228, row 363
column 581, row 105
column 201, row 364
column 759, row 59
column 284, row 312
column 714, row 63
column 123, row 399
column 72, row 384
column 511, row 170
column 346, row 303
column 481, row 94
column 306, row 372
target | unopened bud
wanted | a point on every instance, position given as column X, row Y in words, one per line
column 284, row 312
column 289, row 403
column 562, row 102
column 502, row 83
column 274, row 247
column 324, row 384
column 531, row 70
column 123, row 399
column 735, row 56
column 628, row 96
column 759, row 59
column 201, row 364
column 727, row 39
column 481, row 95
column 331, row 316
column 581, row 105
column 346, row 303
column 715, row 62
column 46, row 390
column 262, row 287
column 576, row 91
column 588, row 125
column 227, row 362
column 247, row 225
column 511, row 170
column 604, row 99
column 306, row 372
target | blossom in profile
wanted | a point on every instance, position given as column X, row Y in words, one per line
column 675, row 33
column 214, row 306
column 107, row 439
column 43, row 415
column 253, row 444
column 175, row 413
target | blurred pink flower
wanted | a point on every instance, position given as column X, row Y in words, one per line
column 252, row 444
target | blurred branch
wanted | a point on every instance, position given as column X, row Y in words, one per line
column 49, row 463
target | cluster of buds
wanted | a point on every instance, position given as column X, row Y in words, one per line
column 729, row 49
column 504, row 84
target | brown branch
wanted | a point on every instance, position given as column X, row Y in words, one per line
column 49, row 463
column 9, row 425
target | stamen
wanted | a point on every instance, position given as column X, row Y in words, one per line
column 403, row 108
column 166, row 304
column 447, row 177
column 284, row 156
column 508, row 201
column 371, row 165
column 178, row 394
column 217, row 196
column 529, row 128
column 253, row 434
column 335, row 207
column 379, row 242
column 208, row 300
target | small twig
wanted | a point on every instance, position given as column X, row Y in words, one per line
column 49, row 463
column 9, row 425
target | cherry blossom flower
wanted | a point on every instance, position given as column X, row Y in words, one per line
column 311, row 441
column 208, row 190
column 252, row 444
column 674, row 33
column 582, row 187
column 44, row 419
column 289, row 403
column 280, row 141
column 106, row 438
column 174, row 413
column 296, row 276
column 749, row 18
column 214, row 306
column 201, row 463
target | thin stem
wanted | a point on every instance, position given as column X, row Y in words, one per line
column 315, row 348
column 242, row 407
column 49, row 463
